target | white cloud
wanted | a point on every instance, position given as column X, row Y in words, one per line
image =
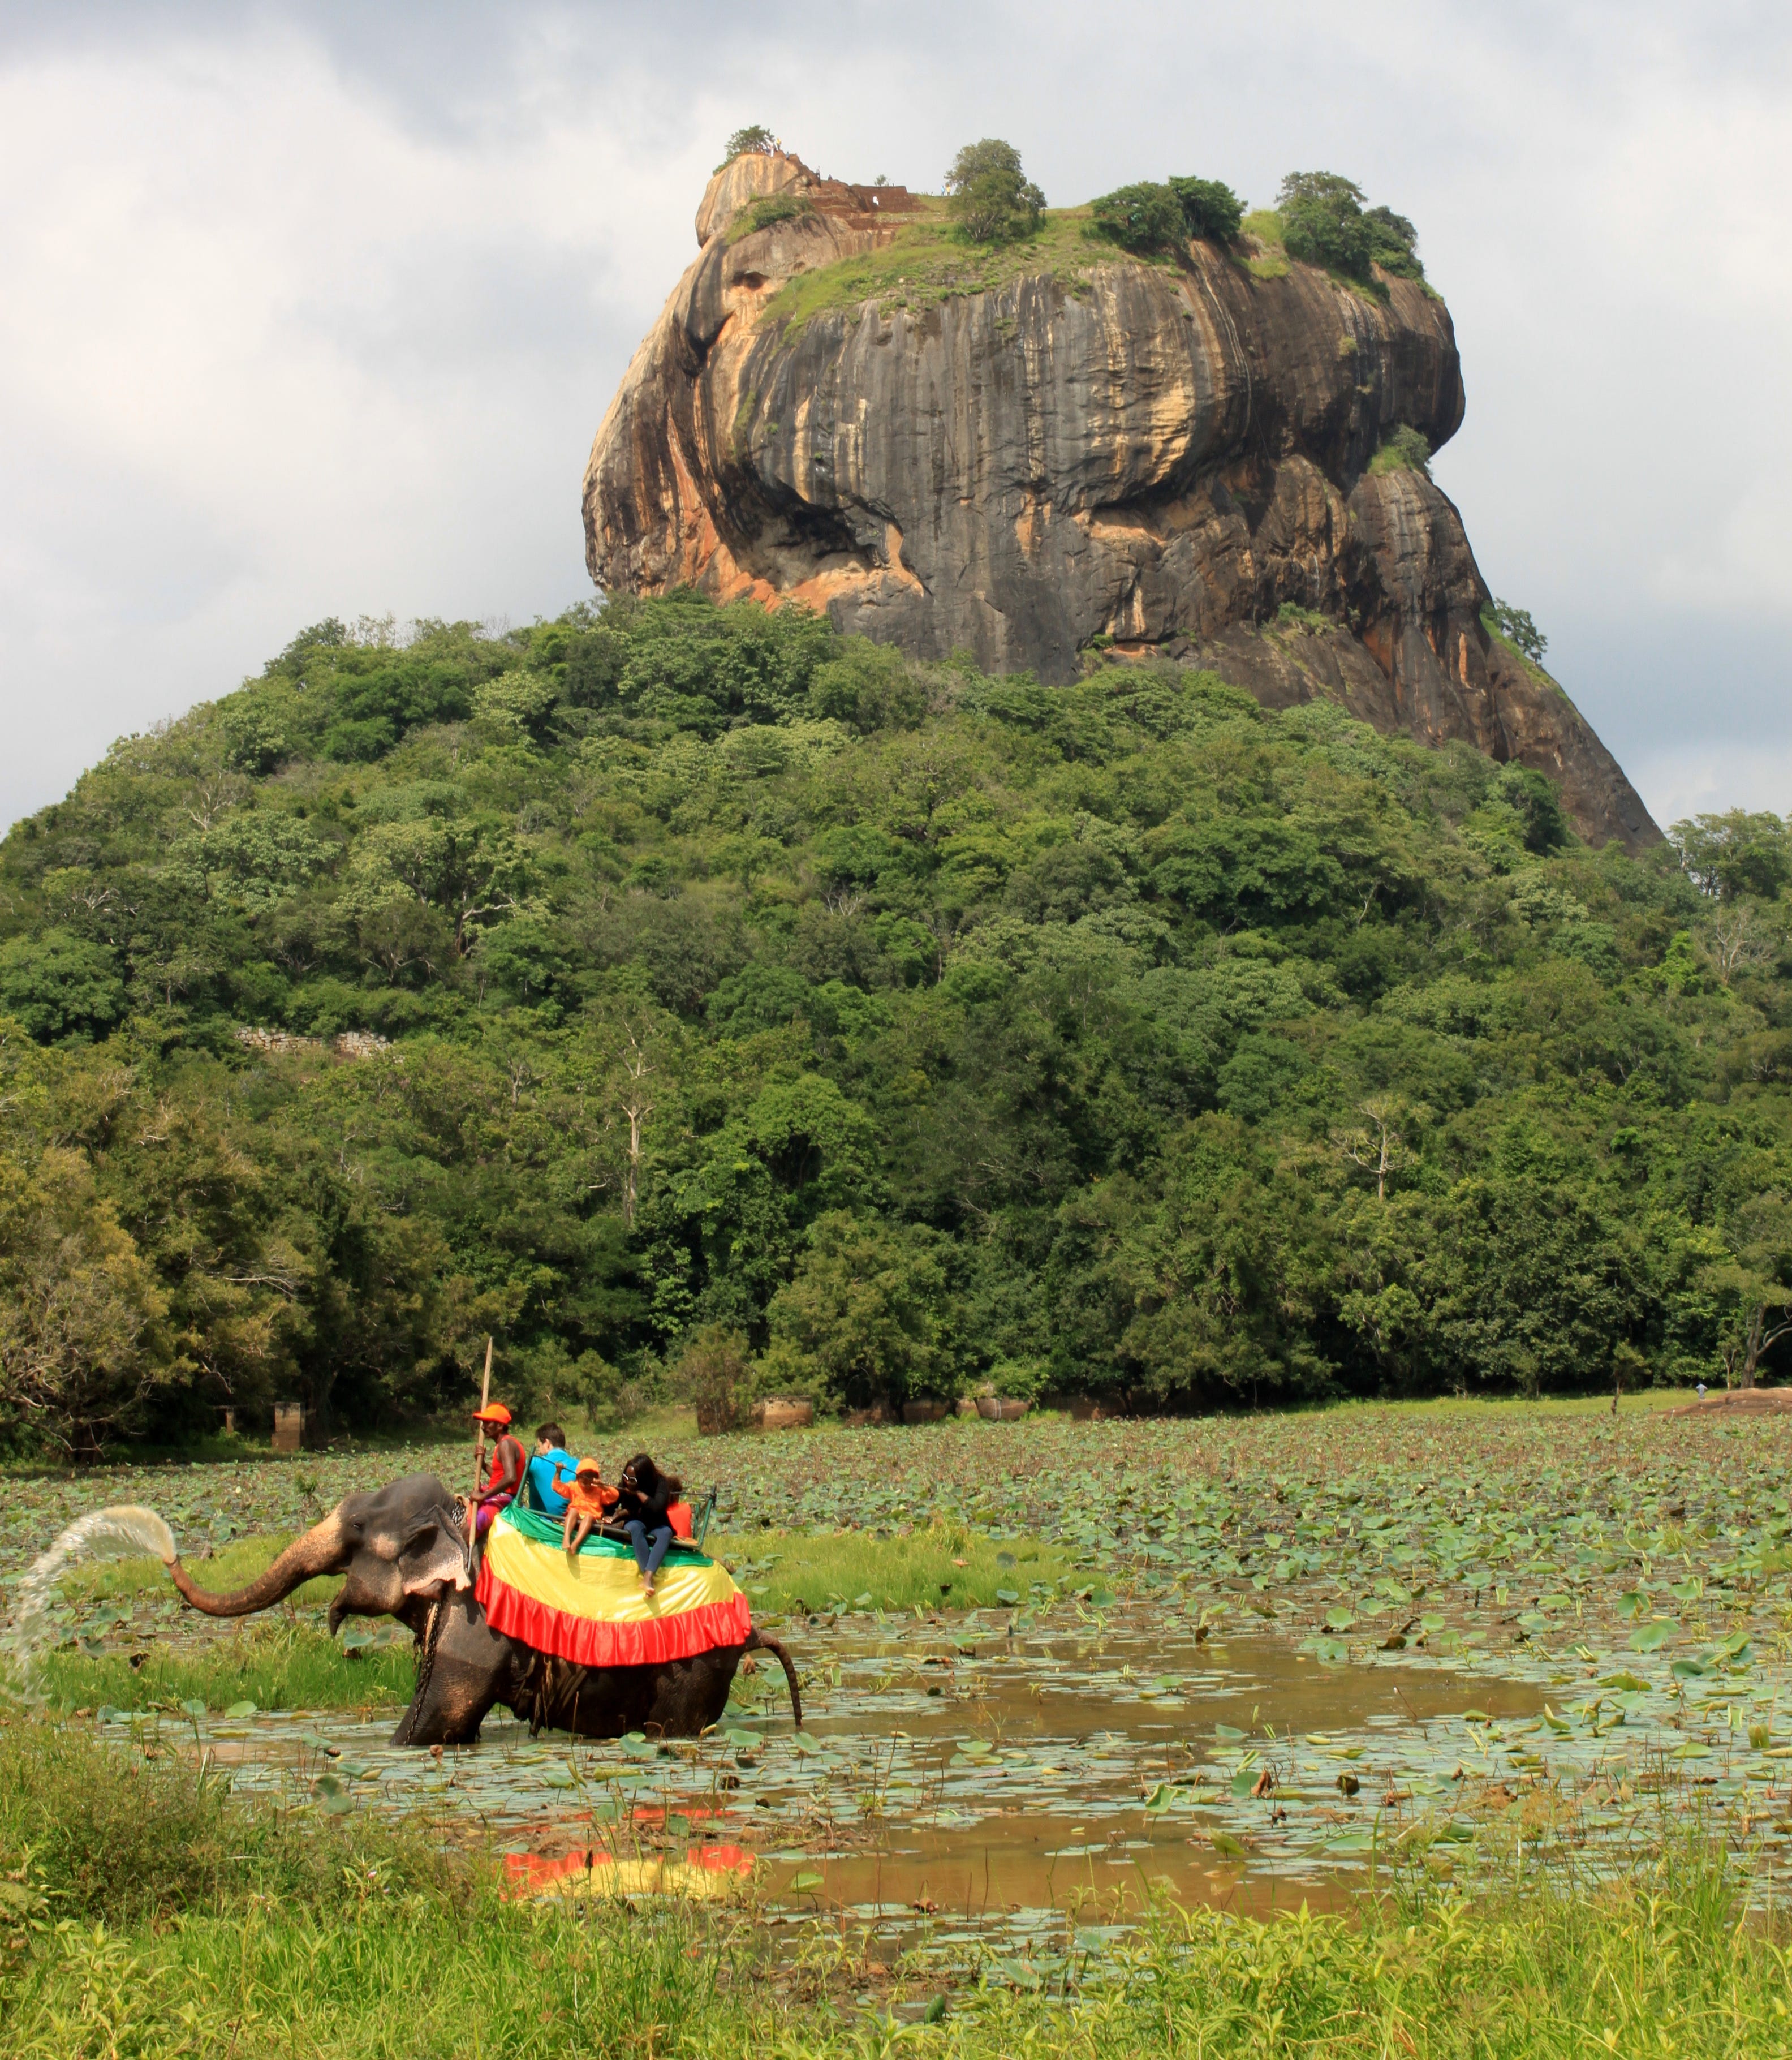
column 314, row 309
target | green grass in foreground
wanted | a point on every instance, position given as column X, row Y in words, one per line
column 270, row 1663
column 149, row 1916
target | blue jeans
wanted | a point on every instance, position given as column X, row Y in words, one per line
column 647, row 1555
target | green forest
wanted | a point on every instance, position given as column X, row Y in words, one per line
column 668, row 988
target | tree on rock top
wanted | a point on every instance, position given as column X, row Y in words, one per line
column 992, row 198
column 1324, row 222
column 755, row 138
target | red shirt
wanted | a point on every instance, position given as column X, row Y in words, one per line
column 497, row 1491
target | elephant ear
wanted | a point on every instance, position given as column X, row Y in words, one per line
column 433, row 1556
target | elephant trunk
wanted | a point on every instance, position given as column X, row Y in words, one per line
column 321, row 1550
column 758, row 1642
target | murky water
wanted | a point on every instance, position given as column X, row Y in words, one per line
column 958, row 1787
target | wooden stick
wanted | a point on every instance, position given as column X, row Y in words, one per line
column 485, row 1403
column 479, row 1451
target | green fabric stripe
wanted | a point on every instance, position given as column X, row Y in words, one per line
column 549, row 1530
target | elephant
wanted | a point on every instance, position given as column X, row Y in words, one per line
column 402, row 1551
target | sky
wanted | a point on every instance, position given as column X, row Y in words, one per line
column 313, row 310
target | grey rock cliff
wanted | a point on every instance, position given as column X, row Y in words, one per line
column 1157, row 458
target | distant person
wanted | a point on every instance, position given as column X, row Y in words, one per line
column 543, row 1491
column 506, row 1475
column 1701, row 1390
column 589, row 1502
column 644, row 1495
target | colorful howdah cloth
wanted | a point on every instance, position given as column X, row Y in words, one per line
column 593, row 1610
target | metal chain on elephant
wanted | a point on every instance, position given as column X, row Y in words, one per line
column 426, row 1650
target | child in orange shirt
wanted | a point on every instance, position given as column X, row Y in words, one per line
column 587, row 1501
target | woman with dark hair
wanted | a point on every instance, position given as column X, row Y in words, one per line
column 644, row 1495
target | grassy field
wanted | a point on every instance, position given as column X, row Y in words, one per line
column 148, row 1915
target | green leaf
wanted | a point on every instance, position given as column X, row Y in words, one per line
column 1158, row 1801
column 806, row 1883
column 1226, row 1844
column 805, row 1744
column 1652, row 1637
column 239, row 1711
column 1007, row 1596
column 194, row 1708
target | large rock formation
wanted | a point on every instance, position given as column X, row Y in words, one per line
column 1101, row 453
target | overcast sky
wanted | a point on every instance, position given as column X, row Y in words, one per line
column 313, row 309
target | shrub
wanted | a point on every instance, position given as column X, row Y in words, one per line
column 1018, row 1379
column 755, row 138
column 1404, row 448
column 1210, row 210
column 769, row 210
column 716, row 1377
column 992, row 199
column 1140, row 217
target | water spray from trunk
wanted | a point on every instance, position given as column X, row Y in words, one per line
column 124, row 1531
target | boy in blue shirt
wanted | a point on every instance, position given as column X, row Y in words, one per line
column 540, row 1489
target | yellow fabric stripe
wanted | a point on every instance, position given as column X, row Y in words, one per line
column 604, row 1590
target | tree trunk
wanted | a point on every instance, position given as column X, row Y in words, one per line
column 1753, row 1353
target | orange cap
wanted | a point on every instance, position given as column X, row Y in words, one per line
column 494, row 1413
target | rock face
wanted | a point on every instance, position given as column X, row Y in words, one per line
column 1116, row 454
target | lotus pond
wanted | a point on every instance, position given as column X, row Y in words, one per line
column 1257, row 1660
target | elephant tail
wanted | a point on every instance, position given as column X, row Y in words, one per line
column 758, row 1642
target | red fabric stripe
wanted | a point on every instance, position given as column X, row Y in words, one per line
column 591, row 1644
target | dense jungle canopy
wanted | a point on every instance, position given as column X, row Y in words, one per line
column 927, row 1029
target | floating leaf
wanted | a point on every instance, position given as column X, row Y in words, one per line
column 1007, row 1596
column 238, row 1712
column 806, row 1883
column 1226, row 1845
column 1158, row 1800
column 194, row 1708
column 1652, row 1637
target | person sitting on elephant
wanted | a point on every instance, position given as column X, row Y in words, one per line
column 541, row 1486
column 644, row 1495
column 589, row 1502
column 506, row 1475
